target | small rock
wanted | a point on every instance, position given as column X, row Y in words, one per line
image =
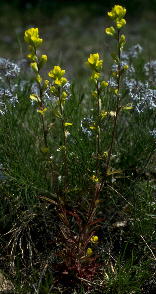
column 6, row 286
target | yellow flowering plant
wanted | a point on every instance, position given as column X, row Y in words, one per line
column 37, row 61
column 55, row 85
column 101, row 89
column 117, row 14
column 78, row 247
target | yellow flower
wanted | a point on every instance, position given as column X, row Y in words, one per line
column 89, row 251
column 120, row 23
column 94, row 179
column 95, row 76
column 64, row 95
column 115, row 74
column 115, row 91
column 38, row 79
column 113, row 113
column 60, row 82
column 44, row 149
column 32, row 57
column 56, row 72
column 105, row 154
column 117, row 12
column 94, row 94
column 43, row 59
column 57, row 75
column 94, row 239
column 104, row 84
column 42, row 111
column 66, row 124
column 104, row 114
column 125, row 67
column 46, row 84
column 31, row 37
column 34, row 66
column 95, row 62
column 53, row 90
column 122, row 41
column 110, row 31
column 35, row 97
column 92, row 127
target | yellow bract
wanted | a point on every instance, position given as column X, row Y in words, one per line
column 31, row 37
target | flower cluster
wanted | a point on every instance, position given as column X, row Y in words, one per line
column 57, row 75
column 8, row 69
column 59, row 87
column 153, row 133
column 119, row 66
column 117, row 15
column 9, row 72
column 150, row 71
column 31, row 37
column 95, row 64
column 133, row 52
column 141, row 94
column 33, row 40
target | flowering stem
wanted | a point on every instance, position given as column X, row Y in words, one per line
column 45, row 133
column 64, row 138
column 117, row 112
column 117, row 105
column 98, row 128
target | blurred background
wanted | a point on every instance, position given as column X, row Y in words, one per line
column 73, row 29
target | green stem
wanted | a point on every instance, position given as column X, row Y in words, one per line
column 41, row 104
column 64, row 139
column 98, row 129
column 117, row 106
column 116, row 116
